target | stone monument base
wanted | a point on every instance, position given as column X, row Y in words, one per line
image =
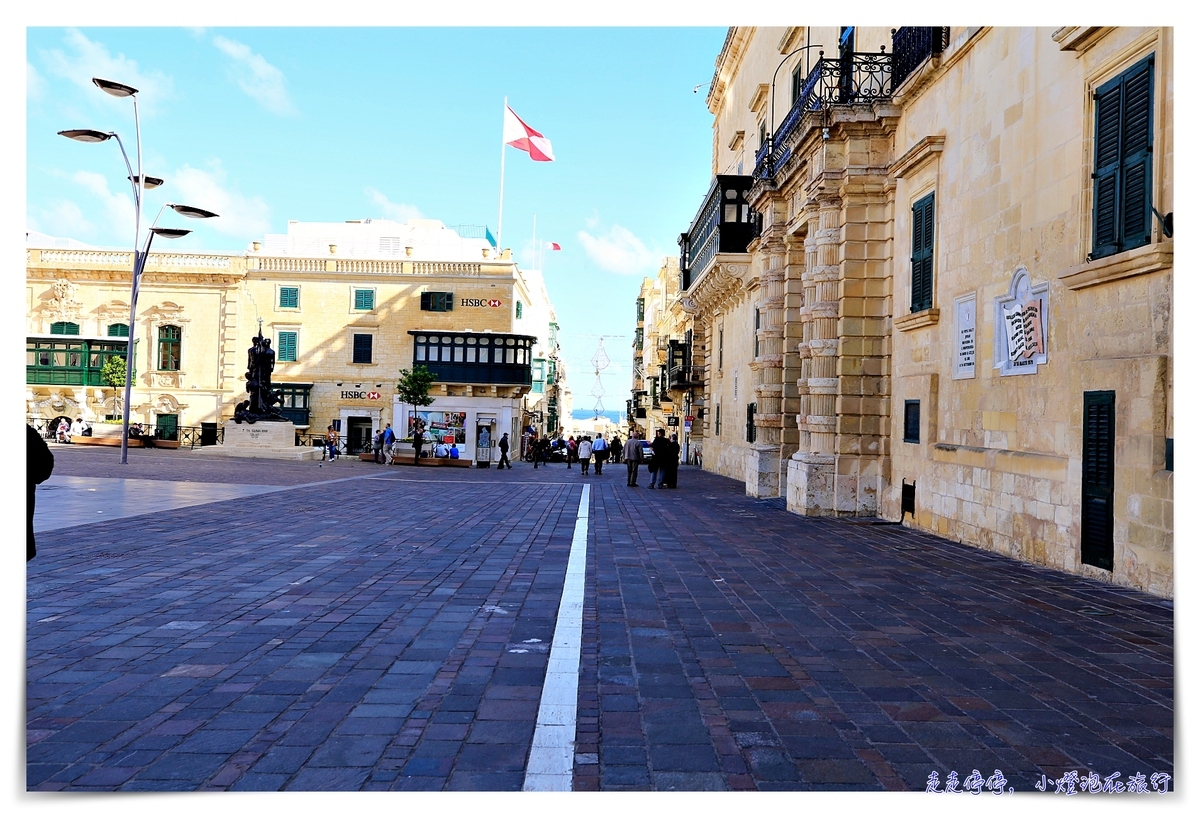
column 271, row 440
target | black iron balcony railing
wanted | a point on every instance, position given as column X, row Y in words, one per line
column 912, row 45
column 685, row 377
column 725, row 223
column 855, row 78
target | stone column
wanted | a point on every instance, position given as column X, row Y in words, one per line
column 811, row 488
column 762, row 465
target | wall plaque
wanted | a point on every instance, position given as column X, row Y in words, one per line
column 1022, row 326
column 964, row 337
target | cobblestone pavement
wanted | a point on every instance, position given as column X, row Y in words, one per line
column 389, row 628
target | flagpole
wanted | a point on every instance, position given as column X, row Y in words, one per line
column 535, row 246
column 500, row 220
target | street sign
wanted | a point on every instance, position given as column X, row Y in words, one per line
column 672, row 420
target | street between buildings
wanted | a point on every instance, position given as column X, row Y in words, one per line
column 257, row 625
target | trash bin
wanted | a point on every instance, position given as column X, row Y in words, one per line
column 208, row 434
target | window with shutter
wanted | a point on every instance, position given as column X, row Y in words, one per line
column 169, row 341
column 1121, row 178
column 64, row 328
column 287, row 346
column 912, row 421
column 289, row 298
column 362, row 348
column 1099, row 433
column 437, row 302
column 364, row 299
column 118, row 330
column 922, row 254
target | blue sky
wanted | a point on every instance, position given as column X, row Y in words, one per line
column 265, row 125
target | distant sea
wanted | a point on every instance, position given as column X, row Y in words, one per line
column 587, row 414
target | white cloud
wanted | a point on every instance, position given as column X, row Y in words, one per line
column 63, row 219
column 116, row 207
column 260, row 80
column 35, row 83
column 619, row 252
column 396, row 211
column 240, row 215
column 86, row 59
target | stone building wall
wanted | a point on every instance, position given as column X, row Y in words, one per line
column 1001, row 133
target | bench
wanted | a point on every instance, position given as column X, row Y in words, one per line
column 410, row 459
column 112, row 441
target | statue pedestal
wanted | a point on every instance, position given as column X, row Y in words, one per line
column 273, row 440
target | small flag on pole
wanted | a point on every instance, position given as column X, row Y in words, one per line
column 553, row 245
column 524, row 138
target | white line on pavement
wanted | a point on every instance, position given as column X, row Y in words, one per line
column 552, row 757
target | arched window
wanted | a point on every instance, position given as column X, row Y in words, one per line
column 64, row 328
column 168, row 348
column 118, row 330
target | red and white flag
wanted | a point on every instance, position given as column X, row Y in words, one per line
column 524, row 138
column 553, row 245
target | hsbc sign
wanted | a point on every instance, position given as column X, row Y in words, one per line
column 353, row 394
column 480, row 302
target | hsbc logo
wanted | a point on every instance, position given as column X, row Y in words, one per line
column 480, row 302
column 354, row 394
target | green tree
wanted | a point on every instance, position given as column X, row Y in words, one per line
column 113, row 376
column 414, row 384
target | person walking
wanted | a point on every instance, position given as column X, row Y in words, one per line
column 599, row 452
column 585, row 454
column 418, row 442
column 389, row 444
column 39, row 462
column 377, row 445
column 504, row 452
column 614, row 448
column 572, row 450
column 671, row 467
column 632, row 455
column 658, row 460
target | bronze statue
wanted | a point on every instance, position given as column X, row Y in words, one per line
column 260, row 363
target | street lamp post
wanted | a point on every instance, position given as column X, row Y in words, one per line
column 140, row 183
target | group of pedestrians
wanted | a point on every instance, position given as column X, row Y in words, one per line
column 384, row 445
column 663, row 464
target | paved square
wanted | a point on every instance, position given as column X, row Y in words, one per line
column 390, row 628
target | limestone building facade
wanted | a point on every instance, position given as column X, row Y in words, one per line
column 345, row 305
column 937, row 263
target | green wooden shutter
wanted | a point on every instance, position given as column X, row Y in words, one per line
column 1123, row 174
column 364, row 299
column 362, row 349
column 1096, row 525
column 287, row 346
column 1136, row 142
column 118, row 330
column 64, row 328
column 922, row 254
column 289, row 297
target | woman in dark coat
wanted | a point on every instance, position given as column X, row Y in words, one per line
column 670, row 465
column 39, row 462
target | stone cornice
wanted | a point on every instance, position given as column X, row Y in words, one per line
column 1079, row 38
column 916, row 320
column 1139, row 261
column 728, row 62
column 918, row 155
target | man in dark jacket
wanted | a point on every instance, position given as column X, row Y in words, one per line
column 659, row 446
column 504, row 452
column 39, row 462
column 670, row 468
